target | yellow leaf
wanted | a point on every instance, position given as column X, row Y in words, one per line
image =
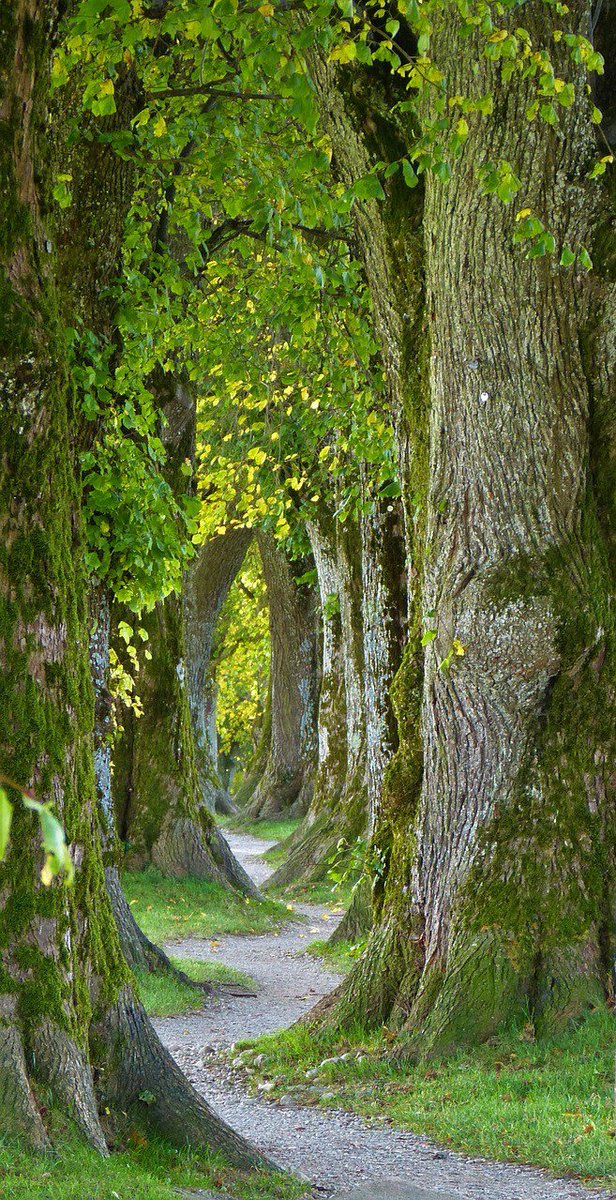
column 106, row 88
column 160, row 126
column 524, row 212
column 459, row 647
column 266, row 10
column 47, row 873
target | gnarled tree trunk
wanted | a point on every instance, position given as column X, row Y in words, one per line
column 507, row 901
column 287, row 781
column 70, row 1022
column 384, row 605
column 162, row 818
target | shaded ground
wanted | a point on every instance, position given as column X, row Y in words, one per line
column 338, row 1153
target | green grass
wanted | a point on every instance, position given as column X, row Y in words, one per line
column 165, row 996
column 143, row 1172
column 546, row 1102
column 170, row 909
column 340, row 957
column 324, row 892
column 270, row 831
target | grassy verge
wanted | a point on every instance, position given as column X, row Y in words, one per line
column 165, row 996
column 168, row 910
column 546, row 1102
column 269, row 831
column 142, row 1172
column 340, row 957
column 337, row 896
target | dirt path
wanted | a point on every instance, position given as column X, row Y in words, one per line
column 340, row 1154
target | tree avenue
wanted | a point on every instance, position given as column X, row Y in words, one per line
column 307, row 497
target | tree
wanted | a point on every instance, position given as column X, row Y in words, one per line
column 287, row 780
column 499, row 842
column 70, row 1017
column 206, row 589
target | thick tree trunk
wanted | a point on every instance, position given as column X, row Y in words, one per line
column 338, row 809
column 162, row 819
column 287, row 782
column 140, row 953
column 507, row 901
column 71, row 1029
column 206, row 587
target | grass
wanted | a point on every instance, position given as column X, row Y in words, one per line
column 144, row 1171
column 168, row 910
column 165, row 996
column 340, row 957
column 270, row 831
column 547, row 1102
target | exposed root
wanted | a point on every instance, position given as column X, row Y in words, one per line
column 140, row 953
column 62, row 1066
column 19, row 1115
column 357, row 921
column 233, row 871
column 138, row 1076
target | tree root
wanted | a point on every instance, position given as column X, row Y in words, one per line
column 138, row 1076
column 20, row 1117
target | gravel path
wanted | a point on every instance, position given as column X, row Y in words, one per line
column 341, row 1155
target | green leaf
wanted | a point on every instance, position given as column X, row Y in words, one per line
column 368, row 188
column 567, row 257
column 428, row 637
column 6, row 816
column 410, row 175
column 585, row 259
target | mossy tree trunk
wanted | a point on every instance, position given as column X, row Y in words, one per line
column 73, row 1035
column 206, row 587
column 500, row 892
column 162, row 818
column 384, row 604
column 287, row 781
column 338, row 809
column 139, row 952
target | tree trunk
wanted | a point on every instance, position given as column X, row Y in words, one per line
column 140, row 953
column 384, row 605
column 507, row 900
column 70, row 1023
column 287, row 782
column 206, row 587
column 338, row 809
column 163, row 820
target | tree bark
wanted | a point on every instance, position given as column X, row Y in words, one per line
column 384, row 605
column 287, row 781
column 70, row 1022
column 505, row 902
column 162, row 819
column 338, row 809
column 206, row 587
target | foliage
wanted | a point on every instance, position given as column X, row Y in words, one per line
column 57, row 855
column 168, row 909
column 240, row 661
column 545, row 1102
